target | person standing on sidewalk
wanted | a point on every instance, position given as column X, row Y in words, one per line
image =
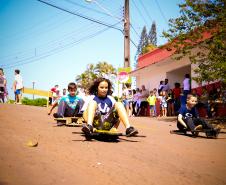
column 18, row 86
column 2, row 86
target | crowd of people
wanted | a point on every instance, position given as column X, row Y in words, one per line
column 100, row 109
column 17, row 87
column 165, row 101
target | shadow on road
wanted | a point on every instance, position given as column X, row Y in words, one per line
column 105, row 138
column 199, row 136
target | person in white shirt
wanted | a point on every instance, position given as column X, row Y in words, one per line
column 18, row 86
column 166, row 86
column 144, row 104
column 187, row 85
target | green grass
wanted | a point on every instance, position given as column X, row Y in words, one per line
column 36, row 102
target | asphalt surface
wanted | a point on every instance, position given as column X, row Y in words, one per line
column 63, row 156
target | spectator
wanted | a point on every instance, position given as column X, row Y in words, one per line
column 2, row 86
column 176, row 95
column 18, row 86
column 163, row 103
column 166, row 86
column 155, row 94
column 136, row 101
column 55, row 93
column 186, row 85
column 64, row 92
column 144, row 104
column 151, row 100
column 161, row 85
column 170, row 103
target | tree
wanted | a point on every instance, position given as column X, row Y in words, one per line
column 92, row 72
column 103, row 69
column 143, row 41
column 199, row 17
column 152, row 35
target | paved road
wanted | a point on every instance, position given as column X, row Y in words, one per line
column 64, row 157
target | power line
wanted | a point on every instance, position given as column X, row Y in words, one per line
column 55, row 47
column 85, row 7
column 144, row 19
column 135, row 30
column 161, row 12
column 85, row 17
column 25, row 54
column 81, row 16
column 49, row 53
column 145, row 9
column 30, row 59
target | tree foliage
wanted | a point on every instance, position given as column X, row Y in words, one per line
column 152, row 35
column 148, row 41
column 199, row 17
column 92, row 72
column 143, row 41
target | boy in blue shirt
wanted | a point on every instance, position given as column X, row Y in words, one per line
column 69, row 105
column 188, row 119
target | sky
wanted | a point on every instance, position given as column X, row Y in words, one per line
column 51, row 46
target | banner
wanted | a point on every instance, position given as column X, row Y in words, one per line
column 37, row 92
column 123, row 75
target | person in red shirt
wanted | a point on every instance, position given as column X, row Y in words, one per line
column 176, row 95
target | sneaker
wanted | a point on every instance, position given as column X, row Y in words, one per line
column 216, row 131
column 87, row 129
column 55, row 115
column 59, row 124
column 213, row 133
column 131, row 131
column 198, row 128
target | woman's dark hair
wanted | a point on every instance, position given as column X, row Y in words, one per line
column 94, row 87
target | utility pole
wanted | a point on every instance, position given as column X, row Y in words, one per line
column 126, row 35
column 33, row 87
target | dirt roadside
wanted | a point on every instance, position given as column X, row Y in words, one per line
column 64, row 157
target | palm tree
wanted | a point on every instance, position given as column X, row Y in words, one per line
column 101, row 69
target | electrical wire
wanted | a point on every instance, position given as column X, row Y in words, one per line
column 52, row 42
column 161, row 12
column 80, row 15
column 59, row 49
column 31, row 59
column 145, row 9
column 142, row 16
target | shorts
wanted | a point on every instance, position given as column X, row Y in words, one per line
column 164, row 105
column 2, row 90
column 18, row 91
column 152, row 107
column 125, row 102
column 106, row 121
